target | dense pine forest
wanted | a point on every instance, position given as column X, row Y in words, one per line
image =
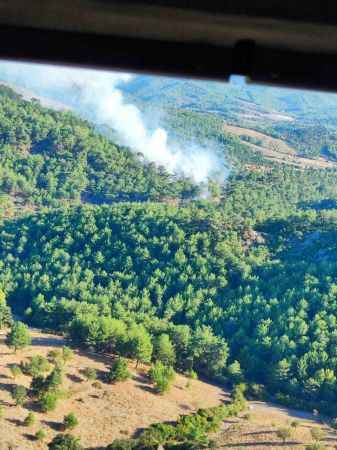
column 121, row 256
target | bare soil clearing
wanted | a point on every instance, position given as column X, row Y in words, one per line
column 277, row 150
column 114, row 411
column 260, row 430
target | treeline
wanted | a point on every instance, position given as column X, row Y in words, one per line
column 173, row 345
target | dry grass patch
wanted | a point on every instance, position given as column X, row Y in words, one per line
column 105, row 412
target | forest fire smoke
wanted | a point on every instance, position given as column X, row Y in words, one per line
column 95, row 95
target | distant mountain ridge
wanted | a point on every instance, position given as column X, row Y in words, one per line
column 230, row 98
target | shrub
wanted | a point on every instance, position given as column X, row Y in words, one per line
column 283, row 434
column 123, row 444
column 36, row 366
column 234, row 372
column 6, row 318
column 90, row 373
column 40, row 435
column 54, row 379
column 119, row 371
column 70, row 421
column 164, row 350
column 65, row 442
column 157, row 434
column 192, row 374
column 29, row 420
column 54, row 355
column 239, row 401
column 295, row 424
column 48, row 401
column 67, row 353
column 317, row 434
column 15, row 371
column 38, row 386
column 41, row 385
column 255, row 390
column 315, row 446
column 97, row 385
column 162, row 377
column 19, row 394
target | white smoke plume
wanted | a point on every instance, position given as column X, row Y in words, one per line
column 99, row 98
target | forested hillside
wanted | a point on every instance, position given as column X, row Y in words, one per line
column 239, row 284
column 48, row 156
column 229, row 99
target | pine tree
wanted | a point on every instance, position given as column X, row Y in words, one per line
column 18, row 337
column 6, row 319
column 119, row 371
column 139, row 344
column 164, row 350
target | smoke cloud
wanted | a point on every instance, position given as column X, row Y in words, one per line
column 95, row 95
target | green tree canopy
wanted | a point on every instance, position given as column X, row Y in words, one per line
column 18, row 336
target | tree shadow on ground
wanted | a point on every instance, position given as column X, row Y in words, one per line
column 56, row 426
column 5, row 377
column 74, row 378
column 6, row 387
column 141, row 378
column 29, row 437
column 330, row 439
column 256, row 433
column 17, row 422
column 8, row 404
column 104, row 358
column 32, row 405
column 230, row 421
column 147, row 388
column 96, row 396
column 101, row 375
column 48, row 341
column 185, row 407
